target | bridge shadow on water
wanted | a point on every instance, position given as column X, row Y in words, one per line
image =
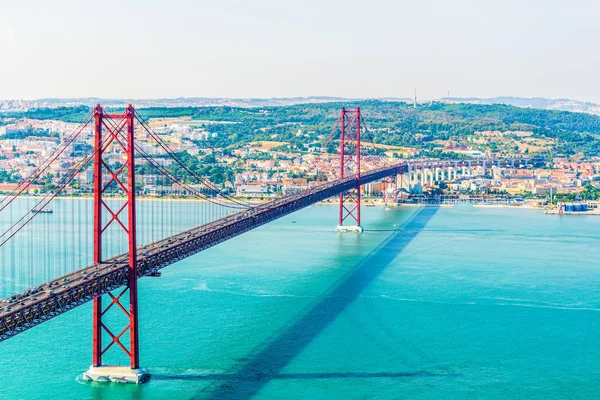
column 237, row 378
column 265, row 363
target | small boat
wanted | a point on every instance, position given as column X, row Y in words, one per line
column 44, row 210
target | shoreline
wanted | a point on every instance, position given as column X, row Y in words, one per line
column 365, row 202
column 527, row 206
column 553, row 212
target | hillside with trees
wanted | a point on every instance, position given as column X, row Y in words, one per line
column 389, row 123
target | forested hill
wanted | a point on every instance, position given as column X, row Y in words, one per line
column 393, row 123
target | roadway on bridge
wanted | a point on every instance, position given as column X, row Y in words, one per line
column 25, row 310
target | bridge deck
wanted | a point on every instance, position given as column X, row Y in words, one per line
column 30, row 308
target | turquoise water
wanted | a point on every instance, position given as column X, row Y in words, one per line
column 453, row 303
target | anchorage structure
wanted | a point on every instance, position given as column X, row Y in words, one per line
column 350, row 121
column 108, row 131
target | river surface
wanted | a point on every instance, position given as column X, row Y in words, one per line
column 428, row 303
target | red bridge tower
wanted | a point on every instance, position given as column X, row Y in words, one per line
column 116, row 130
column 350, row 121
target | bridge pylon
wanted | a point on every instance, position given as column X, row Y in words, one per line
column 350, row 121
column 115, row 131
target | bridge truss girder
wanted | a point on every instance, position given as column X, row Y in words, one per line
column 114, row 273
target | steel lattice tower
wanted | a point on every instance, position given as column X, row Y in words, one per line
column 350, row 121
column 108, row 130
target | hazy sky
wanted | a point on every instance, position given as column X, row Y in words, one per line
column 277, row 48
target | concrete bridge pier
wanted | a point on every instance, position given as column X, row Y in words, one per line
column 114, row 373
column 410, row 179
column 405, row 183
column 430, row 176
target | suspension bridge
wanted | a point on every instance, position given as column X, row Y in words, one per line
column 110, row 238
